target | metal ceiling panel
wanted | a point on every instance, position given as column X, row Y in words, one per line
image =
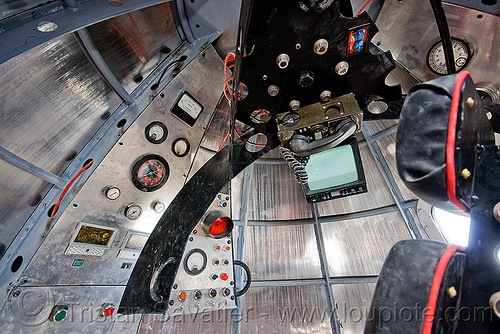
column 55, row 95
column 13, row 7
column 286, row 309
column 276, row 195
column 387, row 146
column 134, row 44
column 282, row 252
column 378, row 194
column 53, row 101
column 353, row 302
column 359, row 247
column 18, row 190
column 408, row 30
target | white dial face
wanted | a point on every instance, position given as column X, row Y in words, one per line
column 190, row 106
column 156, row 132
column 195, row 261
column 112, row 193
column 133, row 212
column 437, row 62
column 181, row 147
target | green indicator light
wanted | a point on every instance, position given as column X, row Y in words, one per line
column 215, row 262
column 77, row 263
column 61, row 315
column 226, row 262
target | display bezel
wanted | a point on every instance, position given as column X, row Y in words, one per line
column 344, row 189
column 102, row 227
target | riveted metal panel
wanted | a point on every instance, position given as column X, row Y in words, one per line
column 134, row 44
column 360, row 246
column 353, row 301
column 290, row 309
column 276, row 195
column 282, row 252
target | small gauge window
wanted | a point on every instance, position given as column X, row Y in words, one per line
column 195, row 262
column 112, row 193
column 150, row 173
column 156, row 132
column 180, row 147
column 436, row 60
column 133, row 211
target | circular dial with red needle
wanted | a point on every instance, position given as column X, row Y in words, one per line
column 150, row 172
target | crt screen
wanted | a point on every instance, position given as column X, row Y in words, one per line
column 331, row 168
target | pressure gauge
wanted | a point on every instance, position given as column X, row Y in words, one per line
column 133, row 211
column 112, row 193
column 150, row 172
column 195, row 262
column 180, row 147
column 156, row 132
column 436, row 60
column 158, row 206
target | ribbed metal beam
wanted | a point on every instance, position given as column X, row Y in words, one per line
column 391, row 183
column 385, row 133
column 301, row 282
column 334, row 321
column 331, row 219
column 96, row 58
column 28, row 167
column 240, row 243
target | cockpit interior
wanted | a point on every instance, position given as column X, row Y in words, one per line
column 249, row 166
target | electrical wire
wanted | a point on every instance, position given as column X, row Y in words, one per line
column 363, row 8
column 298, row 167
column 180, row 60
column 56, row 206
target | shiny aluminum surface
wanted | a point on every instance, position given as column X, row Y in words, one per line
column 46, row 124
column 408, row 30
column 353, row 302
column 49, row 265
column 281, row 310
column 133, row 44
column 276, row 195
column 282, row 252
column 387, row 146
column 29, row 312
column 360, row 246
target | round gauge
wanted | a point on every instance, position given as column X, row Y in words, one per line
column 112, row 193
column 133, row 211
column 150, row 172
column 156, row 132
column 180, row 147
column 437, row 62
column 195, row 262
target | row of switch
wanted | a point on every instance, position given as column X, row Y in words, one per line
column 198, row 294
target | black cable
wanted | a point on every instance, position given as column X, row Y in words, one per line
column 180, row 60
column 249, row 277
column 444, row 33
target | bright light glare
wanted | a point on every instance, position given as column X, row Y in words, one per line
column 455, row 228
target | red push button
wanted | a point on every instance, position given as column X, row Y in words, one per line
column 224, row 276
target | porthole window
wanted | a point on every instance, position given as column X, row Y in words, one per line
column 454, row 227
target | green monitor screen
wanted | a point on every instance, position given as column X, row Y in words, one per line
column 332, row 168
column 335, row 172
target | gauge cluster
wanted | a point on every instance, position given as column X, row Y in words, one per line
column 133, row 186
column 205, row 278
